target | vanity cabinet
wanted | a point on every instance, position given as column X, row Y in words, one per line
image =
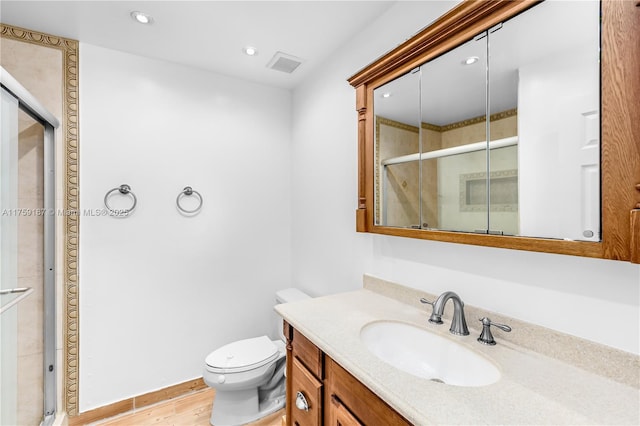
column 321, row 392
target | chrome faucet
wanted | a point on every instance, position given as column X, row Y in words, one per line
column 458, row 323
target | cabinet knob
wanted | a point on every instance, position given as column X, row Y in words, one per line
column 301, row 402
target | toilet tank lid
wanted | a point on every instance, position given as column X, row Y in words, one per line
column 290, row 295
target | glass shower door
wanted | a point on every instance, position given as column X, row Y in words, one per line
column 27, row 377
column 8, row 263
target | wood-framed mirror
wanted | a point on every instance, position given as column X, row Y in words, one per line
column 413, row 187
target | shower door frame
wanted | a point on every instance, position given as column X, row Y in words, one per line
column 30, row 105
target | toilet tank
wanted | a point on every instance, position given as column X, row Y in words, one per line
column 288, row 295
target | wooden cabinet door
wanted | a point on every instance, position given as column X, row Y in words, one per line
column 340, row 415
column 360, row 402
column 304, row 387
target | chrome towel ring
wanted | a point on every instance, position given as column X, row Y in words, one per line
column 124, row 189
column 188, row 191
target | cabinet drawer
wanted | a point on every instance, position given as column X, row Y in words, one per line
column 304, row 387
column 358, row 401
column 308, row 354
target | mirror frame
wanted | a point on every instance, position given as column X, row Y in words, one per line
column 620, row 133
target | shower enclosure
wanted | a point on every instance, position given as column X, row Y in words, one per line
column 27, row 231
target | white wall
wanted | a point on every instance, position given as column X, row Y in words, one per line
column 594, row 299
column 159, row 290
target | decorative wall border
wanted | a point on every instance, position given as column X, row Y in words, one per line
column 480, row 119
column 398, row 125
column 69, row 49
column 464, row 123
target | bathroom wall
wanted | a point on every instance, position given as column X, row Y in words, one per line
column 159, row 290
column 595, row 299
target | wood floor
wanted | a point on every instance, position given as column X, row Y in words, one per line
column 193, row 409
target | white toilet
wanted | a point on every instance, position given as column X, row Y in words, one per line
column 248, row 375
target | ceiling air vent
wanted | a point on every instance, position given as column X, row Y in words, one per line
column 283, row 62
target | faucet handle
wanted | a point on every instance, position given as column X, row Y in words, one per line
column 435, row 318
column 426, row 302
column 486, row 337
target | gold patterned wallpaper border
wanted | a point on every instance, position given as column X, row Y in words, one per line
column 479, row 119
column 69, row 49
column 392, row 123
column 464, row 123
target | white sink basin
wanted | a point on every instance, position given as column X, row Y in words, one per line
column 427, row 355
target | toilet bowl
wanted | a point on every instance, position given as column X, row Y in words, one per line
column 248, row 375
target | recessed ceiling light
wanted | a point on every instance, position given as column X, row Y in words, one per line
column 250, row 50
column 386, row 95
column 470, row 60
column 142, row 18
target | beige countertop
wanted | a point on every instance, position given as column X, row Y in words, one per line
column 534, row 388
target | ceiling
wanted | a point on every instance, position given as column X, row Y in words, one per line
column 209, row 35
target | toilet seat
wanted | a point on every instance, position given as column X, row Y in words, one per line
column 243, row 355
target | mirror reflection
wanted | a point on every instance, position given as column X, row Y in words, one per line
column 398, row 135
column 454, row 158
column 499, row 135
